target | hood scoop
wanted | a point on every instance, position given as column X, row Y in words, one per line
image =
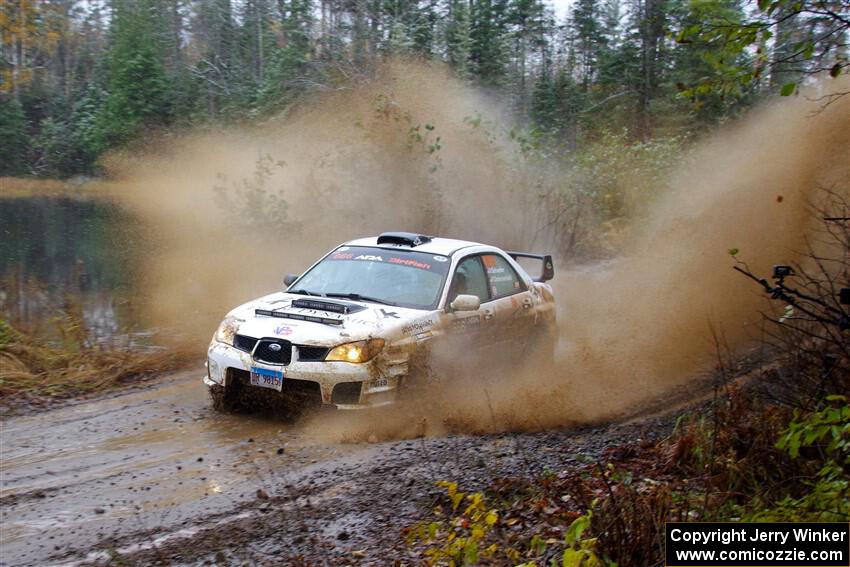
column 340, row 308
column 300, row 317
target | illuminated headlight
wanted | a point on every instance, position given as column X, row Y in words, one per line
column 361, row 351
column 224, row 333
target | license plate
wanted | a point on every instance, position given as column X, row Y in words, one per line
column 265, row 378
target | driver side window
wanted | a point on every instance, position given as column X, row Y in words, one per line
column 469, row 279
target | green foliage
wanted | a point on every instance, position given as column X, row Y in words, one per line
column 556, row 105
column 788, row 89
column 825, row 436
column 13, row 134
column 717, row 71
column 617, row 175
column 581, row 551
column 828, row 429
column 425, row 137
column 137, row 90
column 807, row 479
column 461, row 538
column 66, row 138
column 281, row 84
column 398, row 41
column 744, row 462
column 84, row 129
column 699, row 60
column 608, row 66
column 56, row 148
column 7, row 332
column 781, row 40
column 489, row 51
column 468, row 531
column 458, row 37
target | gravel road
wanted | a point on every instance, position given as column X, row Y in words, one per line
column 154, row 476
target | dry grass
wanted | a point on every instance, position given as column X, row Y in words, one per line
column 26, row 187
column 35, row 374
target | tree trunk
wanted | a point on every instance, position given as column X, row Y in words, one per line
column 260, row 55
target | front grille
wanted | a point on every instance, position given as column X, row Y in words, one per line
column 244, row 342
column 311, row 353
column 306, row 353
column 347, row 393
column 264, row 352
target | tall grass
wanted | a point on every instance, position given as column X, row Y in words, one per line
column 35, row 372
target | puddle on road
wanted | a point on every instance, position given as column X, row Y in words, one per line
column 147, row 459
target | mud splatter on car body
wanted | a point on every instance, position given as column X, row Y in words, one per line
column 363, row 321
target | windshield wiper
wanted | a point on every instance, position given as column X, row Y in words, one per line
column 305, row 292
column 358, row 297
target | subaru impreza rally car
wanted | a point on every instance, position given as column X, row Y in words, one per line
column 352, row 330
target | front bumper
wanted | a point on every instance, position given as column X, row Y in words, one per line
column 379, row 383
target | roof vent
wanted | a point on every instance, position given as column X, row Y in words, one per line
column 404, row 238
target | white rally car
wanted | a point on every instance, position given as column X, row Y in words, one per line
column 357, row 327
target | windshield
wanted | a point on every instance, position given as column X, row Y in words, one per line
column 395, row 277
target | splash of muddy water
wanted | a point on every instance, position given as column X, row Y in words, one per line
column 408, row 151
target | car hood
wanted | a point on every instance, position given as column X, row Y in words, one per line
column 317, row 326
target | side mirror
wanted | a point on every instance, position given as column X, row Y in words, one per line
column 289, row 279
column 466, row 303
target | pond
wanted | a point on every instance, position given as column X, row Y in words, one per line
column 73, row 254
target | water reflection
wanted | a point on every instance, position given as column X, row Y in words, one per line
column 71, row 253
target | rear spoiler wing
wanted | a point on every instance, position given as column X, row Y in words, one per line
column 548, row 271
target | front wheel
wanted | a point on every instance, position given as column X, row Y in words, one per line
column 223, row 399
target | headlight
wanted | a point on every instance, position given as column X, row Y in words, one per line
column 361, row 351
column 224, row 333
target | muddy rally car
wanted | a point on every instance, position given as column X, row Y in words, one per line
column 357, row 328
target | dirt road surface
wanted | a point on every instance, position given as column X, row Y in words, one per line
column 155, row 476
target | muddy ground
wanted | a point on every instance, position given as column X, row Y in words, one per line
column 155, row 476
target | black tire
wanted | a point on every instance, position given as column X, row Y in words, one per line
column 222, row 399
column 238, row 398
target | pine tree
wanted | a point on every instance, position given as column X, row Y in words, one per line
column 529, row 25
column 557, row 102
column 489, row 50
column 610, row 64
column 588, row 40
column 220, row 72
column 256, row 37
column 645, row 57
column 13, row 136
column 137, row 87
column 691, row 61
column 458, row 39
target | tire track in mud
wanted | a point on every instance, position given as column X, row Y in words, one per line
column 142, row 461
column 334, row 515
column 155, row 476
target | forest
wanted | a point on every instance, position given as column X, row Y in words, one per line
column 685, row 163
column 78, row 78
